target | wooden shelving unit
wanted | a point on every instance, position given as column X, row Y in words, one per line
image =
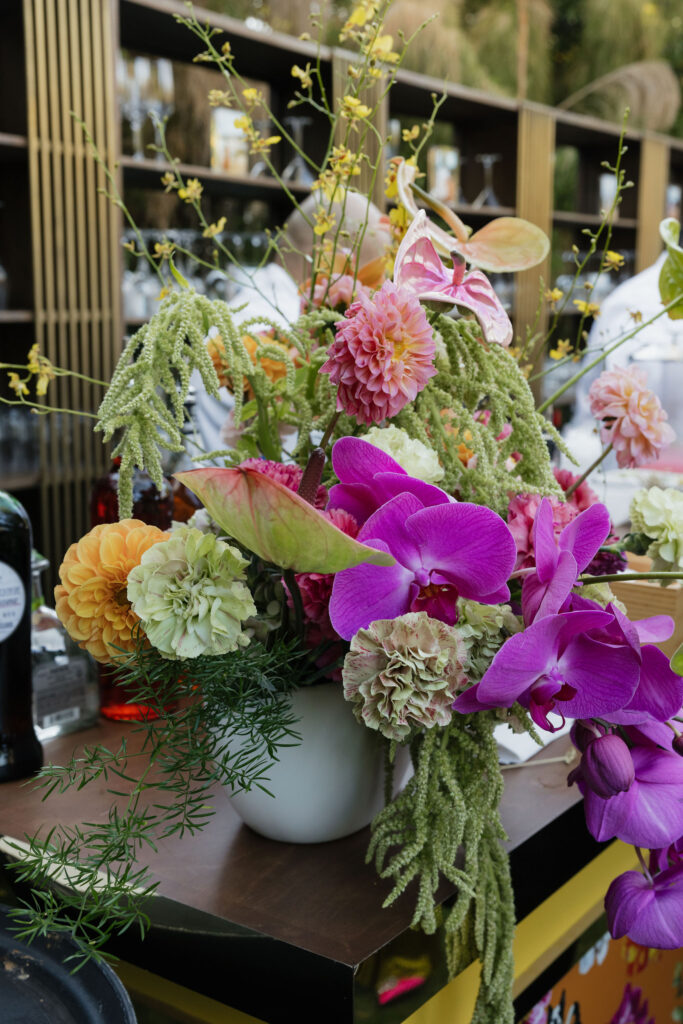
column 65, row 270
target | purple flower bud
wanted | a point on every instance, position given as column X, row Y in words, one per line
column 582, row 734
column 677, row 744
column 607, row 766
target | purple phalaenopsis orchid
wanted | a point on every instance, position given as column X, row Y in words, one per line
column 566, row 663
column 648, row 910
column 560, row 560
column 650, row 812
column 418, row 269
column 369, row 478
column 442, row 552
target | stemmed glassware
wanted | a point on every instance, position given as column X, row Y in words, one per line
column 487, row 197
column 145, row 90
column 297, row 169
column 160, row 98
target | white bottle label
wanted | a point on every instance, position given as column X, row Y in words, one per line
column 12, row 600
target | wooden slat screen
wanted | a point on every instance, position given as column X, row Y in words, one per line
column 70, row 52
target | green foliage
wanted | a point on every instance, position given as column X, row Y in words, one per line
column 231, row 715
column 446, row 824
column 671, row 274
column 476, row 378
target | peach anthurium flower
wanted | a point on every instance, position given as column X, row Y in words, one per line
column 503, row 245
column 91, row 601
column 276, row 524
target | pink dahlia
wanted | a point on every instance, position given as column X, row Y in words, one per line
column 632, row 418
column 583, row 497
column 287, row 474
column 383, row 354
column 521, row 515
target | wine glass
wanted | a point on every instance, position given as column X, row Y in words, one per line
column 133, row 84
column 160, row 99
column 487, row 197
column 297, row 169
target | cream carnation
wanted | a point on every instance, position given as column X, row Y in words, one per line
column 190, row 595
column 412, row 455
column 404, row 673
column 659, row 515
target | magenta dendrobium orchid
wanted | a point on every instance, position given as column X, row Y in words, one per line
column 420, row 271
column 368, row 478
column 560, row 560
column 442, row 552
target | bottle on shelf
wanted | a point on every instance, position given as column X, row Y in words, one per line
column 65, row 689
column 154, row 507
column 151, row 505
column 20, row 751
column 185, row 503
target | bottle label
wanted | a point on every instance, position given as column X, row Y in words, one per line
column 60, row 691
column 12, row 600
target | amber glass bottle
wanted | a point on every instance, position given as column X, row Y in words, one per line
column 152, row 506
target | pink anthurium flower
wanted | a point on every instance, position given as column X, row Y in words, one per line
column 504, row 245
column 418, row 269
column 275, row 523
column 442, row 552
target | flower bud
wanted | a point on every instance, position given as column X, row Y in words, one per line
column 582, row 734
column 607, row 766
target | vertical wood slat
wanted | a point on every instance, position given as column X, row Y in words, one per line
column 653, row 178
column 74, row 230
column 535, row 149
column 371, row 96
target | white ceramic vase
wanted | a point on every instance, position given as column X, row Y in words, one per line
column 328, row 786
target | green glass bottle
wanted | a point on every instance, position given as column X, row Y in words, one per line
column 20, row 752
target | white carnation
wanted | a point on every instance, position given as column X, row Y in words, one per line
column 415, row 457
column 658, row 514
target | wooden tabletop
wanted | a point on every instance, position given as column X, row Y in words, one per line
column 318, row 899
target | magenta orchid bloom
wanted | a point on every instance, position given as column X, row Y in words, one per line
column 419, row 270
column 648, row 910
column 369, row 478
column 650, row 812
column 659, row 694
column 442, row 552
column 579, row 664
column 559, row 560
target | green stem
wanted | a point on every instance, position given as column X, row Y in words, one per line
column 624, row 577
column 577, row 376
column 289, row 577
column 594, row 465
column 328, row 431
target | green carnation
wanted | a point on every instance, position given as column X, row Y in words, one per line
column 404, row 673
column 659, row 514
column 190, row 595
column 484, row 628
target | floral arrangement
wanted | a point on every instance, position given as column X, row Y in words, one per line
column 411, row 544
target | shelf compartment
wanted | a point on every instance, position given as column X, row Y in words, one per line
column 19, row 481
column 13, row 147
column 590, row 220
column 16, row 316
column 147, row 174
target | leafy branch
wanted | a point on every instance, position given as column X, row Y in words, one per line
column 230, row 716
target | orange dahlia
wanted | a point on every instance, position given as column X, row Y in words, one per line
column 274, row 369
column 92, row 600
